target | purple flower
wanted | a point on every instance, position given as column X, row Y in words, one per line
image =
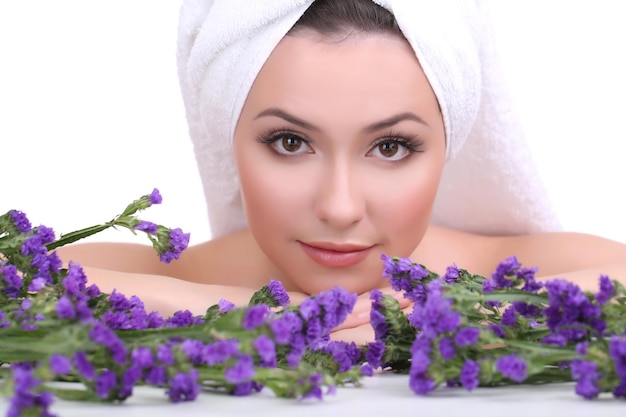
column 155, row 197
column 59, row 364
column 105, row 336
column 142, row 357
column 467, row 336
column 24, row 395
column 314, row 331
column 421, row 384
column 105, row 382
column 255, row 316
column 374, row 354
column 526, row 310
column 65, row 308
column 513, row 367
column 278, row 292
column 194, row 350
column 178, row 242
column 506, row 269
column 607, row 289
column 148, row 227
column 528, row 275
column 309, row 308
column 118, row 301
column 20, row 221
column 420, row 354
column 224, row 306
column 435, row 316
column 446, row 348
column 12, row 279
column 586, row 375
column 509, row 318
column 157, row 376
column 37, row 284
column 366, row 370
column 570, row 311
column 451, row 275
column 130, row 377
column 281, row 329
column 182, row 318
column 469, row 374
column 389, row 266
column 336, row 304
column 377, row 318
column 220, row 351
column 83, row 366
column 246, row 388
column 266, row 349
column 184, row 386
column 344, row 354
column 164, row 355
column 617, row 352
column 75, row 281
column 241, row 371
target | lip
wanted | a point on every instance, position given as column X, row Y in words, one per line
column 335, row 255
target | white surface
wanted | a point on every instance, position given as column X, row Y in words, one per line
column 386, row 395
column 91, row 117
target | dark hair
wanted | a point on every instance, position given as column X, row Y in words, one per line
column 343, row 17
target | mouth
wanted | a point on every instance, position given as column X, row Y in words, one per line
column 335, row 255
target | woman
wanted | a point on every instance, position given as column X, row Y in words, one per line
column 338, row 148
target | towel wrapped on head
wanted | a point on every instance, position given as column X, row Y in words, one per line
column 490, row 184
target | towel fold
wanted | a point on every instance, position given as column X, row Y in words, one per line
column 490, row 183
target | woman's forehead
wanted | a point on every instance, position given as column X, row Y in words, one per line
column 358, row 70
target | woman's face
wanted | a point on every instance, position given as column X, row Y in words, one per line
column 339, row 149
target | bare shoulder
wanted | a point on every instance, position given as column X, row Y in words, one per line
column 552, row 253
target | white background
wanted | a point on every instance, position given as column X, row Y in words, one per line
column 91, row 116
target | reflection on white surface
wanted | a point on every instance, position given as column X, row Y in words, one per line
column 380, row 395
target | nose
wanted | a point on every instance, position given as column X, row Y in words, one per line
column 340, row 202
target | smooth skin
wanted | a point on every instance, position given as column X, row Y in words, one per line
column 341, row 143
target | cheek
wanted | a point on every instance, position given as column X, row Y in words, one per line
column 403, row 205
column 274, row 196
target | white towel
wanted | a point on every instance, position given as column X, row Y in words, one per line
column 490, row 183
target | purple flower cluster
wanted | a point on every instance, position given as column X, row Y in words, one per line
column 148, row 227
column 587, row 376
column 74, row 303
column 12, row 282
column 177, row 243
column 434, row 315
column 509, row 273
column 377, row 316
column 512, row 366
column 570, row 314
column 279, row 293
column 617, row 352
column 130, row 314
column 405, row 276
column 20, row 221
column 27, row 396
column 43, row 264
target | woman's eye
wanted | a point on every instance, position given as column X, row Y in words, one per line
column 286, row 144
column 391, row 150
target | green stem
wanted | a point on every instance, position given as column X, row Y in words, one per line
column 78, row 234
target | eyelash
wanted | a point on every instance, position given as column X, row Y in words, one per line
column 411, row 143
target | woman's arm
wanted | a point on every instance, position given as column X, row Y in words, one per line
column 166, row 294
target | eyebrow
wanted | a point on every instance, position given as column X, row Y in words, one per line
column 385, row 123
